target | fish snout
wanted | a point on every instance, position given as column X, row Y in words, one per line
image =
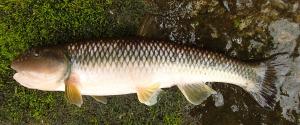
column 16, row 63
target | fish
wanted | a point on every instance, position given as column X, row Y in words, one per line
column 107, row 67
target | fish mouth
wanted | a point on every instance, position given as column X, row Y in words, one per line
column 14, row 66
column 17, row 63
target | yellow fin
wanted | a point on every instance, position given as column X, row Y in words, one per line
column 196, row 93
column 149, row 94
column 101, row 99
column 72, row 91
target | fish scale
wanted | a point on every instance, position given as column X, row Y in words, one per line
column 150, row 56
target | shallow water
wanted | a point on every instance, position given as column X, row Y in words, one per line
column 245, row 29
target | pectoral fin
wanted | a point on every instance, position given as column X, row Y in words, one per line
column 72, row 91
column 196, row 93
column 101, row 99
column 149, row 94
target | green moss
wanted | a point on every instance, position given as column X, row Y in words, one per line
column 172, row 119
column 24, row 24
column 236, row 23
column 27, row 23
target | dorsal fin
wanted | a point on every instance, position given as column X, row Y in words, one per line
column 196, row 93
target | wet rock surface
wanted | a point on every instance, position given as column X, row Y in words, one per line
column 249, row 30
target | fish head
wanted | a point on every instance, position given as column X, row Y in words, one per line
column 41, row 68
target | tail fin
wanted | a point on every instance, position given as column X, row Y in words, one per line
column 265, row 91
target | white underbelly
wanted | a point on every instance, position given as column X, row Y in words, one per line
column 122, row 81
column 119, row 83
column 125, row 82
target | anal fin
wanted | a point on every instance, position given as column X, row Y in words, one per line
column 101, row 99
column 149, row 94
column 196, row 93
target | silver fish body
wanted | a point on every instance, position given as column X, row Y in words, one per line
column 117, row 67
column 122, row 65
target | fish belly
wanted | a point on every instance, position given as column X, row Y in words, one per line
column 128, row 79
column 119, row 82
